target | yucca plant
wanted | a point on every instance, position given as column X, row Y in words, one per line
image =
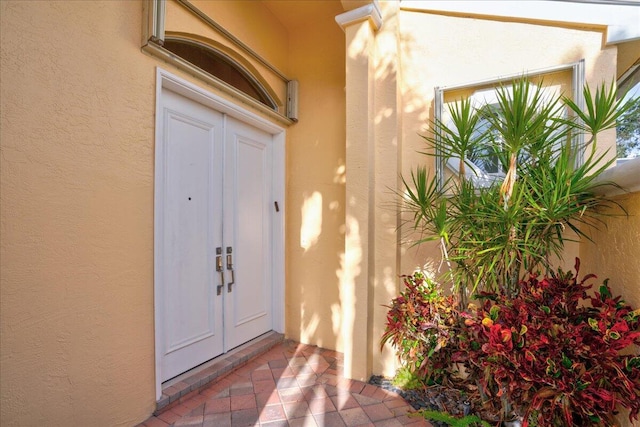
column 491, row 233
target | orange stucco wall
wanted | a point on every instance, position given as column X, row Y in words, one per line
column 613, row 255
column 315, row 182
column 628, row 55
column 429, row 57
column 76, row 202
column 484, row 49
column 77, row 215
column 78, row 103
column 614, row 250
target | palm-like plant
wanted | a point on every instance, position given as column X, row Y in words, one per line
column 493, row 233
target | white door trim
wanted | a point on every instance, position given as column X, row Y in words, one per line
column 168, row 81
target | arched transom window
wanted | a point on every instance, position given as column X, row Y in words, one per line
column 221, row 66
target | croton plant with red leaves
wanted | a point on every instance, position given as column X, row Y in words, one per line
column 419, row 326
column 558, row 355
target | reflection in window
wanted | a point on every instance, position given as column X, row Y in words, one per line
column 483, row 161
column 221, row 66
column 628, row 128
column 483, row 164
column 486, row 165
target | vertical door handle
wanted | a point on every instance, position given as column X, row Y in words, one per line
column 220, row 270
column 230, row 268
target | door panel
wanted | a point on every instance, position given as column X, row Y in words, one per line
column 214, row 173
column 192, row 222
column 247, row 231
column 187, row 216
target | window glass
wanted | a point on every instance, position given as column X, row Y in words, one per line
column 220, row 66
column 628, row 128
column 483, row 166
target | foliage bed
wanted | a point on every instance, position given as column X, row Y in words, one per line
column 542, row 347
column 553, row 355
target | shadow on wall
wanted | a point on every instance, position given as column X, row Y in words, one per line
column 378, row 264
column 403, row 108
column 315, row 190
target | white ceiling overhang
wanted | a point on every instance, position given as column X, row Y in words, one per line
column 620, row 17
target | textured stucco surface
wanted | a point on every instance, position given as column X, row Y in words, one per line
column 76, row 202
column 77, row 215
column 388, row 153
column 481, row 49
column 616, row 248
column 614, row 254
column 357, row 275
column 628, row 55
column 315, row 181
column 370, row 276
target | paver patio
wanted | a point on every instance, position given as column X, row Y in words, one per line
column 292, row 385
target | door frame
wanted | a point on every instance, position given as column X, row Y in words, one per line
column 168, row 81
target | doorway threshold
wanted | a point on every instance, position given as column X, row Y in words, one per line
column 175, row 389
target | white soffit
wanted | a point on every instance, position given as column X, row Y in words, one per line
column 621, row 17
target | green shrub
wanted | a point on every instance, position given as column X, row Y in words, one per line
column 557, row 353
column 406, row 379
column 419, row 324
column 518, row 351
column 467, row 421
column 492, row 233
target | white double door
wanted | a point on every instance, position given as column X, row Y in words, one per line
column 213, row 225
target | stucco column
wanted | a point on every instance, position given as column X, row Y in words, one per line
column 357, row 273
column 386, row 182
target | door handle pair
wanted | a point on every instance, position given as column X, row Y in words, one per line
column 220, row 269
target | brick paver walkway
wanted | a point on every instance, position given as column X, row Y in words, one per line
column 292, row 385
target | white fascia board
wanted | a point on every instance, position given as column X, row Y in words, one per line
column 622, row 19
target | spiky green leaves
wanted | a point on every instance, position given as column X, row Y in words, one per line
column 462, row 136
column 602, row 109
column 496, row 230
